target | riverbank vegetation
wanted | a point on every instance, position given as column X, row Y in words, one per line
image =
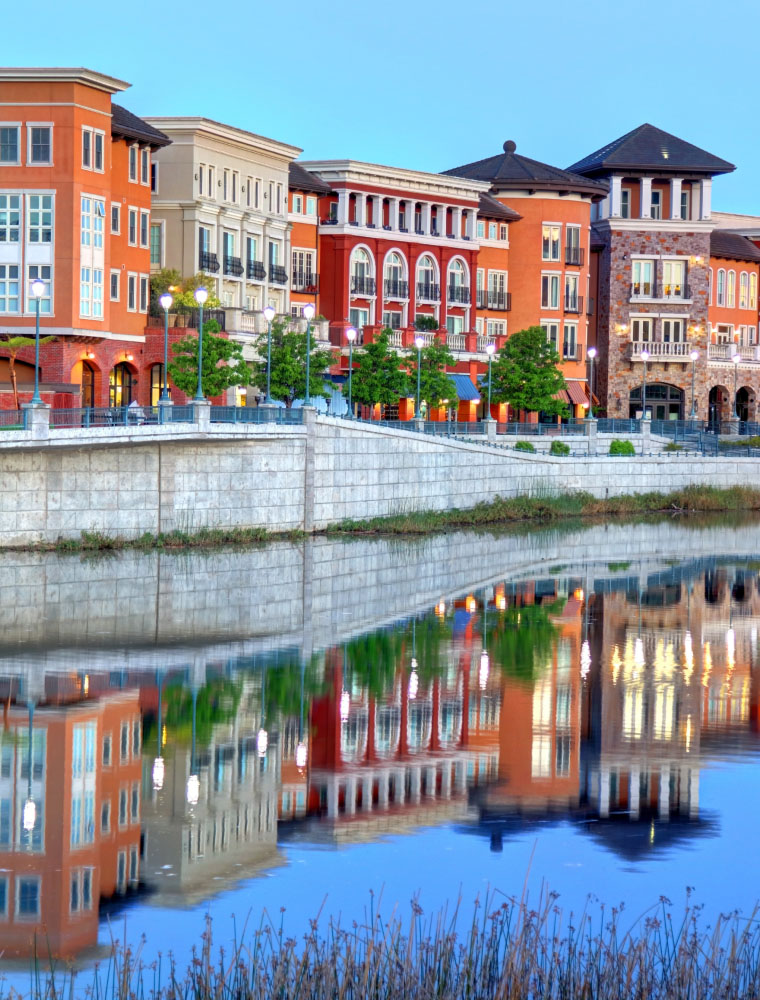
column 508, row 950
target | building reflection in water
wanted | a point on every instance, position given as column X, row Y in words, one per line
column 591, row 700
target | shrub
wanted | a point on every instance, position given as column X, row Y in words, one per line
column 745, row 442
column 524, row 446
column 559, row 448
column 672, row 446
column 618, row 447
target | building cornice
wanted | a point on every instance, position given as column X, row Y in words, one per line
column 364, row 233
column 652, row 226
column 238, row 137
column 376, row 175
column 62, row 74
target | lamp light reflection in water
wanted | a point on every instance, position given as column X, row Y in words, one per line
column 262, row 742
column 345, row 705
column 484, row 670
column 301, row 756
column 414, row 682
column 158, row 773
column 585, row 659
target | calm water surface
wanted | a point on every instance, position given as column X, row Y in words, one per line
column 296, row 726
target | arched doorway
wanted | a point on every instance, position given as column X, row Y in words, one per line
column 88, row 385
column 718, row 405
column 663, row 401
column 156, row 383
column 121, row 385
column 745, row 403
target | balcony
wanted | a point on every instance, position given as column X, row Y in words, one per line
column 575, row 256
column 427, row 292
column 456, row 341
column 233, row 266
column 661, row 351
column 678, row 292
column 458, row 295
column 278, row 275
column 393, row 289
column 670, row 292
column 396, row 338
column 362, row 286
column 483, row 341
column 574, row 304
column 208, row 262
column 726, row 352
column 304, row 281
column 500, row 301
column 644, row 290
column 254, row 270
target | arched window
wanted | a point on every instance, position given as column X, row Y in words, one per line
column 457, row 282
column 88, row 385
column 427, row 286
column 753, row 291
column 120, row 385
column 731, row 290
column 396, row 285
column 156, row 383
column 362, row 282
column 710, row 289
column 721, row 296
column 744, row 290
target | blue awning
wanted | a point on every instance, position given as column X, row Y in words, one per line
column 463, row 387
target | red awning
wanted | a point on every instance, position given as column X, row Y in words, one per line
column 578, row 393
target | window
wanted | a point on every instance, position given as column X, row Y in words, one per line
column 303, row 269
column 124, row 744
column 210, row 173
column 503, row 231
column 495, row 328
column 685, row 213
column 153, row 177
column 298, row 204
column 133, row 163
column 113, row 287
column 673, row 274
column 155, row 244
column 87, row 148
column 362, row 282
column 44, row 273
column 497, row 286
column 753, row 291
column 145, row 166
column 710, row 287
column 641, row 330
column 144, row 229
column 121, row 871
column 235, row 186
column 144, row 292
column 81, row 890
column 492, row 230
column 132, row 227
column 550, row 242
column 279, row 199
column 643, row 278
column 122, row 807
column 116, row 219
column 751, row 335
column 673, row 331
column 9, row 288
column 225, row 184
column 92, row 149
column 625, row 203
column 358, row 318
column 426, row 278
column 311, row 206
column 550, row 291
column 39, row 221
column 201, row 176
column 40, row 145
column 721, row 290
column 455, row 324
column 136, row 738
column 743, row 290
column 248, row 191
column 10, row 147
column 3, row 897
column 107, row 749
column 656, row 208
column 551, row 329
column 133, row 863
column 93, row 213
column 571, row 292
column 569, row 340
column 27, row 897
column 10, row 218
column 731, row 290
column 257, row 192
column 135, row 804
column 481, row 230
column 392, row 320
column 105, row 817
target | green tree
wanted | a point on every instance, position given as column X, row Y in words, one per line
column 14, row 346
column 378, row 376
column 525, row 373
column 435, row 384
column 289, row 365
column 223, row 364
column 168, row 279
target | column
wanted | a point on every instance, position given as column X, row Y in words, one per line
column 456, row 219
column 616, row 188
column 367, row 793
column 634, row 792
column 383, row 785
column 393, row 213
column 377, row 211
column 426, row 217
column 694, row 793
column 343, row 197
column 361, row 208
column 399, row 786
column 663, row 798
column 332, row 798
column 646, row 198
column 351, row 796
column 675, row 198
column 446, row 780
column 705, row 197
column 604, row 792
column 470, row 225
column 431, row 781
column 416, row 789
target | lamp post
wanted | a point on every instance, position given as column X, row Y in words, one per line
column 166, row 303
column 308, row 311
column 490, row 349
column 269, row 316
column 37, row 289
column 419, row 343
column 736, row 359
column 200, row 295
column 350, row 337
column 694, row 358
column 591, row 355
column 644, row 357
column 29, row 813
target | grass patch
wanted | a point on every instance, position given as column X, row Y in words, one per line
column 96, row 541
column 525, row 446
column 745, row 442
column 672, row 446
column 545, row 509
column 559, row 448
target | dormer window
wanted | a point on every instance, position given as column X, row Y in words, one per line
column 656, row 210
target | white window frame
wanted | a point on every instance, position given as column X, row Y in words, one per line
column 134, row 150
column 143, row 301
column 743, row 290
column 298, row 204
column 644, row 321
column 495, row 328
column 258, row 187
column 20, row 226
column 17, row 912
column 545, row 325
column 117, row 273
column 640, row 262
column 19, row 290
column 132, row 286
column 117, row 206
column 226, row 184
column 753, row 289
column 145, row 166
column 130, row 210
column 38, row 163
column 17, row 161
column 235, row 187
column 144, row 227
column 553, row 280
column 311, row 204
column 29, row 307
column 160, row 226
column 731, row 289
column 625, row 203
column 573, row 326
column 552, row 226
column 94, row 134
column 655, row 209
column 720, row 293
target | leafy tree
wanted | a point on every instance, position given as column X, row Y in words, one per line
column 423, row 322
column 525, row 373
column 14, row 346
column 288, row 381
column 223, row 364
column 378, row 377
column 435, row 384
column 168, row 279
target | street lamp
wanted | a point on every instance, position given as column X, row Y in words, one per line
column 166, row 304
column 308, row 311
column 644, row 357
column 29, row 813
column 490, row 349
column 269, row 316
column 419, row 343
column 591, row 355
column 694, row 358
column 350, row 337
column 736, row 359
column 37, row 289
column 200, row 295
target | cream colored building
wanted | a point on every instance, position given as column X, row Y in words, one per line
column 220, row 205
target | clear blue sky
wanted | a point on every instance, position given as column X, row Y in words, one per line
column 427, row 85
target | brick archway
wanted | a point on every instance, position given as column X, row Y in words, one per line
column 719, row 405
column 746, row 403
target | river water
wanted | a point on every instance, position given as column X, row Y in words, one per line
column 296, row 727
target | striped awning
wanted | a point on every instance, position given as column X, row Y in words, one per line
column 577, row 393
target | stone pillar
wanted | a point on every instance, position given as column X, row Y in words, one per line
column 310, row 426
column 705, row 198
column 332, row 797
column 425, row 217
column 616, row 188
column 490, row 429
column 383, row 789
column 675, row 198
column 361, row 208
column 456, row 222
column 37, row 420
column 202, row 414
column 431, row 781
column 415, row 792
column 590, row 429
column 663, row 798
column 343, row 197
column 393, row 213
column 351, row 795
column 634, row 792
column 646, row 198
column 399, row 786
column 646, row 437
column 470, row 227
column 604, row 792
column 446, row 780
column 694, row 793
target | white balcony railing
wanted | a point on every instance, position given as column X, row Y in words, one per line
column 456, row 341
column 673, row 351
column 483, row 342
column 396, row 338
column 726, row 352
